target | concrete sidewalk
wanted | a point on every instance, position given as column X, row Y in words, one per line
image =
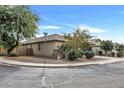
column 19, row 63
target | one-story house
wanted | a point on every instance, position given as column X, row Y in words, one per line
column 36, row 47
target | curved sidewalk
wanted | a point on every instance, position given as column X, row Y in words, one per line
column 27, row 64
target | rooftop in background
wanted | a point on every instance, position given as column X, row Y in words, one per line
column 54, row 37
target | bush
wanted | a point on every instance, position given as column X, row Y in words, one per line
column 113, row 54
column 63, row 50
column 100, row 53
column 109, row 55
column 89, row 54
column 72, row 54
column 13, row 55
column 80, row 53
column 119, row 54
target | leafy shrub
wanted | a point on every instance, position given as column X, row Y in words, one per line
column 13, row 55
column 113, row 54
column 109, row 55
column 63, row 50
column 80, row 53
column 72, row 54
column 119, row 54
column 100, row 53
column 89, row 54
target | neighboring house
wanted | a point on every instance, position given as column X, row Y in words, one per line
column 95, row 45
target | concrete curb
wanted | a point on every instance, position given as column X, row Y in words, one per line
column 18, row 63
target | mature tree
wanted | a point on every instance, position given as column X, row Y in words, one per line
column 79, row 39
column 75, row 42
column 17, row 23
column 107, row 45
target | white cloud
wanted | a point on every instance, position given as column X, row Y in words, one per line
column 48, row 27
column 117, row 38
column 39, row 35
column 92, row 29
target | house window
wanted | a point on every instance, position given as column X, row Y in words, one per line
column 38, row 46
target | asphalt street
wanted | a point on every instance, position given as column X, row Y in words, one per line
column 94, row 76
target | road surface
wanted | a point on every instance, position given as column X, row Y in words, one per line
column 102, row 76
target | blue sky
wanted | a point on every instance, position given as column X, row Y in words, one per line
column 105, row 22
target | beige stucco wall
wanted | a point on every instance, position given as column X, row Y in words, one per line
column 58, row 44
column 3, row 51
column 50, row 46
column 21, row 50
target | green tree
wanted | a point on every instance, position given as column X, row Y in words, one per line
column 17, row 23
column 107, row 45
column 119, row 48
column 77, row 41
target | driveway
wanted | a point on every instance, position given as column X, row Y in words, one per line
column 105, row 76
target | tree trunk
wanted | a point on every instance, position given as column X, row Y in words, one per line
column 11, row 49
column 8, row 53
